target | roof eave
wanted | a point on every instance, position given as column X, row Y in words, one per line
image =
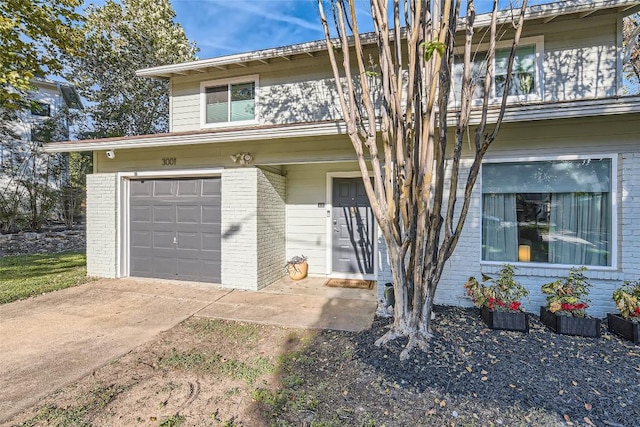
column 549, row 11
column 519, row 113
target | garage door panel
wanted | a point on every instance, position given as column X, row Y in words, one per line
column 141, row 239
column 164, row 214
column 188, row 241
column 188, row 188
column 211, row 242
column 211, row 270
column 211, row 187
column 163, row 188
column 163, row 266
column 141, row 214
column 211, row 214
column 141, row 189
column 141, row 265
column 175, row 229
column 188, row 267
column 163, row 240
column 188, row 214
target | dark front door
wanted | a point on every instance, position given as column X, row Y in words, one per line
column 175, row 229
column 353, row 227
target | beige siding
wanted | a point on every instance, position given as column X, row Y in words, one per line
column 306, row 221
column 579, row 62
column 268, row 152
column 284, row 96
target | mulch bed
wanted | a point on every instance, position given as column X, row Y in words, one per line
column 471, row 375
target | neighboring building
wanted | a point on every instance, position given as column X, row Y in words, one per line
column 257, row 168
column 47, row 97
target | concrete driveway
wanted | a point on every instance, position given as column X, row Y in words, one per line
column 52, row 340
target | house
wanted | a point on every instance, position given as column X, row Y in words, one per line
column 47, row 98
column 28, row 177
column 257, row 168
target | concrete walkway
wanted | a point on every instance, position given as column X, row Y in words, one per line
column 52, row 340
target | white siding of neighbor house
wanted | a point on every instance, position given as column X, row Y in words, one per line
column 101, row 225
column 580, row 62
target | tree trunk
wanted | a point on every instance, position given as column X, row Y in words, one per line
column 406, row 89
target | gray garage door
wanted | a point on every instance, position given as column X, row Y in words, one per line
column 175, row 229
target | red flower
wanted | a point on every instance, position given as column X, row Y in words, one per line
column 492, row 299
column 515, row 305
column 566, row 306
column 636, row 312
column 501, row 303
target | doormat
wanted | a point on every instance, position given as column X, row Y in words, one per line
column 350, row 283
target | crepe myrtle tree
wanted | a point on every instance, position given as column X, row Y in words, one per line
column 395, row 104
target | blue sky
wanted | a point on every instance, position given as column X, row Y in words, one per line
column 224, row 27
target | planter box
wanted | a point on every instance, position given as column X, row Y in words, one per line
column 506, row 320
column 623, row 327
column 569, row 325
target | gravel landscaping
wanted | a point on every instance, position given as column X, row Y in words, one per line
column 470, row 376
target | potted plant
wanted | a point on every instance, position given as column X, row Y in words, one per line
column 499, row 301
column 627, row 323
column 567, row 302
column 297, row 267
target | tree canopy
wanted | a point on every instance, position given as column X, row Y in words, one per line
column 120, row 38
column 34, row 34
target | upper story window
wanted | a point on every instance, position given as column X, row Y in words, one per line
column 549, row 212
column 40, row 109
column 526, row 77
column 229, row 102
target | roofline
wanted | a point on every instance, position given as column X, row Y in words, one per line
column 519, row 113
column 550, row 10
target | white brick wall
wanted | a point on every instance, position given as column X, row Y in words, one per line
column 271, row 240
column 239, row 228
column 253, row 228
column 101, row 225
column 465, row 261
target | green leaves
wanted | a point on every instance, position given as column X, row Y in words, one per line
column 431, row 47
column 34, row 34
column 120, row 38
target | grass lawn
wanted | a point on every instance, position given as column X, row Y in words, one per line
column 28, row 275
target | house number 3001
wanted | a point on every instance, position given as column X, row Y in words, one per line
column 168, row 161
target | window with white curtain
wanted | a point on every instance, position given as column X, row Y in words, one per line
column 229, row 101
column 552, row 211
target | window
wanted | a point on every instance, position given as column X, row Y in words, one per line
column 556, row 212
column 40, row 109
column 229, row 102
column 525, row 77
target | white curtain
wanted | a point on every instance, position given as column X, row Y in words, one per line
column 579, row 229
column 499, row 227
